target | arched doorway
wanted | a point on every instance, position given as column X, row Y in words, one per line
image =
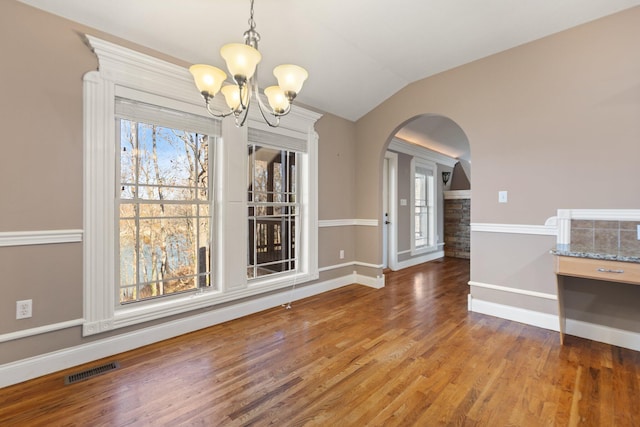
column 426, row 159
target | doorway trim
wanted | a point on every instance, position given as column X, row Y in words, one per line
column 390, row 194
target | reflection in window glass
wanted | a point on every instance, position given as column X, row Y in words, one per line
column 272, row 210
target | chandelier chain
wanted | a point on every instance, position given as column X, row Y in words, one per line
column 252, row 22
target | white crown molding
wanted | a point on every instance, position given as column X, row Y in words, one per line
column 44, row 237
column 133, row 69
column 421, row 152
column 457, row 194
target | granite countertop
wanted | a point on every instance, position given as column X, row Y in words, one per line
column 565, row 250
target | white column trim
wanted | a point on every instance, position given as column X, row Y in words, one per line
column 41, row 237
column 99, row 218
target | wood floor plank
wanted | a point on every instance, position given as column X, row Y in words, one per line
column 407, row 354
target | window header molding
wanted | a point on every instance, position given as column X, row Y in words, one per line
column 136, row 70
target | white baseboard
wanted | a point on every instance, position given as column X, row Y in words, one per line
column 522, row 315
column 605, row 334
column 419, row 260
column 591, row 331
column 33, row 367
column 372, row 282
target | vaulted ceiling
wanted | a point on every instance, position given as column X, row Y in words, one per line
column 358, row 52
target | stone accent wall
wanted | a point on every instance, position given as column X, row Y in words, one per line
column 457, row 228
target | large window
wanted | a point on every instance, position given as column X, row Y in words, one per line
column 272, row 211
column 165, row 197
column 164, row 207
column 423, row 195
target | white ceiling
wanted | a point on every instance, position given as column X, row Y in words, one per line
column 358, row 52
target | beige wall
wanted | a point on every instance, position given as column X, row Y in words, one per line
column 555, row 122
column 337, row 153
column 44, row 60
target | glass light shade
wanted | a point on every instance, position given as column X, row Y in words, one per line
column 290, row 77
column 208, row 79
column 232, row 96
column 277, row 99
column 241, row 59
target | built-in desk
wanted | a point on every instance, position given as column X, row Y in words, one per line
column 607, row 267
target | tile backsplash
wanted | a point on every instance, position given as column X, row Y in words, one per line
column 605, row 237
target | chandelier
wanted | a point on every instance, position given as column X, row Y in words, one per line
column 242, row 61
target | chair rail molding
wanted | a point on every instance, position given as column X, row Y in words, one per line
column 42, row 237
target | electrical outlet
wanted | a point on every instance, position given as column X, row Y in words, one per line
column 502, row 197
column 341, row 253
column 23, row 309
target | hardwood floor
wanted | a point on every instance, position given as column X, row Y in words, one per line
column 408, row 354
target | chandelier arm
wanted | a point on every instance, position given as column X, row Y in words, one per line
column 244, row 114
column 264, row 116
column 247, row 85
column 262, row 107
column 215, row 113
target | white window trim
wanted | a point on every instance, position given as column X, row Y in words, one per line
column 433, row 220
column 125, row 71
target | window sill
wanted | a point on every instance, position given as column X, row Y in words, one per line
column 139, row 313
column 426, row 249
column 264, row 284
